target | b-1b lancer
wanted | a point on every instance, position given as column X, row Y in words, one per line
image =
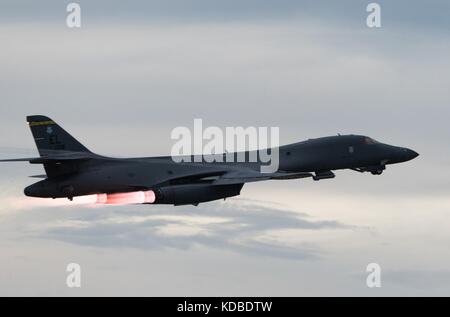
column 72, row 170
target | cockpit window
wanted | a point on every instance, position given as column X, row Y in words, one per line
column 370, row 141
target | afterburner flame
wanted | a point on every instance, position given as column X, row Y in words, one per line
column 150, row 197
column 141, row 197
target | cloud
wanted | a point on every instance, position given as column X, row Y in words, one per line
column 238, row 226
column 403, row 13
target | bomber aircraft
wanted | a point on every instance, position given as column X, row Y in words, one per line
column 72, row 170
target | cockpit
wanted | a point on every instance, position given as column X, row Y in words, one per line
column 369, row 141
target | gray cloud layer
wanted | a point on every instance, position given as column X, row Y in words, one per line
column 403, row 13
column 234, row 226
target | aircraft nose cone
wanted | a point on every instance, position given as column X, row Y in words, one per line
column 412, row 154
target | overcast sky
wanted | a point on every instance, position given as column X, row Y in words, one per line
column 137, row 69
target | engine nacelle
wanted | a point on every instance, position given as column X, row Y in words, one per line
column 193, row 194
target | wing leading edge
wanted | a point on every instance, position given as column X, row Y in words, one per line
column 237, row 177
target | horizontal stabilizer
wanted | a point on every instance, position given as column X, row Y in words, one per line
column 38, row 176
column 20, row 159
column 56, row 156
